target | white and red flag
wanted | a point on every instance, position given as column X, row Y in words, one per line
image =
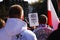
column 52, row 16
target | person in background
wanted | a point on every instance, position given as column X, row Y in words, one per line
column 2, row 23
column 43, row 30
column 15, row 26
column 55, row 35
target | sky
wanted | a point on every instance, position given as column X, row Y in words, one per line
column 31, row 1
column 1, row 0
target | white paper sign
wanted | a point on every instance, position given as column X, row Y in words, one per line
column 33, row 19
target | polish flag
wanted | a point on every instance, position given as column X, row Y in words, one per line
column 52, row 16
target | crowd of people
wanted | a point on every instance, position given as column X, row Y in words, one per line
column 15, row 28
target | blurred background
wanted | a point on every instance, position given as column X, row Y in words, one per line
column 29, row 6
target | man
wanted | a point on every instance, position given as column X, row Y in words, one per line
column 43, row 30
column 15, row 25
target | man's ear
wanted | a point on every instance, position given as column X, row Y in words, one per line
column 22, row 17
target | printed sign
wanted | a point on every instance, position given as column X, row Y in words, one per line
column 33, row 19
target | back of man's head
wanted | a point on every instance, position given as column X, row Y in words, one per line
column 43, row 19
column 16, row 11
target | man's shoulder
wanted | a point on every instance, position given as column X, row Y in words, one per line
column 28, row 33
column 50, row 28
column 43, row 30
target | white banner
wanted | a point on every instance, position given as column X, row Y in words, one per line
column 33, row 19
